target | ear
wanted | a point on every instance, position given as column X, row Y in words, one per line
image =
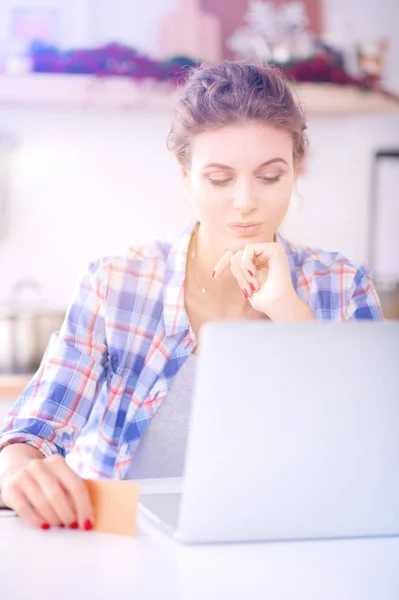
column 184, row 175
column 299, row 167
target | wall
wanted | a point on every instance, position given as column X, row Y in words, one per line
column 86, row 183
column 331, row 208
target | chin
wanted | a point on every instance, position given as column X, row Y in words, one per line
column 236, row 243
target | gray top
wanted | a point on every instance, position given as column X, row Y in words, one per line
column 161, row 451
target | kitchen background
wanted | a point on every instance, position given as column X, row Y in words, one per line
column 84, row 168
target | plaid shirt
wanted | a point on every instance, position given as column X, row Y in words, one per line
column 125, row 336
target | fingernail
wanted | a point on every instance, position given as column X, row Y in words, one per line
column 250, row 272
column 46, row 526
column 87, row 525
column 74, row 525
column 245, row 293
column 213, row 274
column 253, row 288
column 61, row 525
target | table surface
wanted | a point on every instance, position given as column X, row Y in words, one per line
column 60, row 564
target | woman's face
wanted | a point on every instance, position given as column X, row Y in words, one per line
column 241, row 174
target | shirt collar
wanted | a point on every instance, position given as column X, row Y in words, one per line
column 289, row 252
column 175, row 316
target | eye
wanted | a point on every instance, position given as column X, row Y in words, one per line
column 219, row 182
column 270, row 179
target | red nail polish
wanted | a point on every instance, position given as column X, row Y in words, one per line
column 213, row 274
column 250, row 272
column 74, row 525
column 253, row 288
column 61, row 525
column 46, row 526
column 245, row 293
column 87, row 525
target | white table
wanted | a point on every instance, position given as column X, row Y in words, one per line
column 66, row 564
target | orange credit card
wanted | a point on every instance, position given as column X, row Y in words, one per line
column 115, row 505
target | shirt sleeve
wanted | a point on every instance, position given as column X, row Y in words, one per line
column 363, row 300
column 57, row 402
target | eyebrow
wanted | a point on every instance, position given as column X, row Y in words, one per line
column 265, row 164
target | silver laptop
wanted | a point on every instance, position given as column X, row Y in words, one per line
column 294, row 434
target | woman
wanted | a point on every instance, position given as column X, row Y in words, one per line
column 132, row 329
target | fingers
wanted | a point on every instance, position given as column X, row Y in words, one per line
column 49, row 498
column 245, row 274
column 17, row 500
column 252, row 255
column 248, row 283
column 46, row 491
column 241, row 279
column 251, row 274
column 39, row 501
column 259, row 253
column 222, row 265
column 77, row 490
column 250, row 265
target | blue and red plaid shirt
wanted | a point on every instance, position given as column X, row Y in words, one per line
column 125, row 336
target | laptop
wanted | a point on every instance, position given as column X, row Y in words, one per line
column 294, row 435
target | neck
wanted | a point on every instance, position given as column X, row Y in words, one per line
column 224, row 291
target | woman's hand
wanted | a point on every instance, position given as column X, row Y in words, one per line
column 263, row 273
column 45, row 493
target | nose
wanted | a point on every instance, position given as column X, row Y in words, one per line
column 245, row 197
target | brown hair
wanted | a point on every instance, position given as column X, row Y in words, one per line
column 234, row 92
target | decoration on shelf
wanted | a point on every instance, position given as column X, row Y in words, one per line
column 109, row 60
column 327, row 66
column 370, row 57
column 274, row 33
column 190, row 30
column 279, row 34
column 27, row 25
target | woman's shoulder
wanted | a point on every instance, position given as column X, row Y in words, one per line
column 154, row 260
column 127, row 268
column 335, row 287
column 319, row 261
column 153, row 253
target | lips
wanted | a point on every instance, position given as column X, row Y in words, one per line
column 245, row 229
column 245, row 224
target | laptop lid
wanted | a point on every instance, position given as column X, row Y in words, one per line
column 293, row 432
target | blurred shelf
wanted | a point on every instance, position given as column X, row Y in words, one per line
column 333, row 100
column 12, row 386
column 86, row 91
